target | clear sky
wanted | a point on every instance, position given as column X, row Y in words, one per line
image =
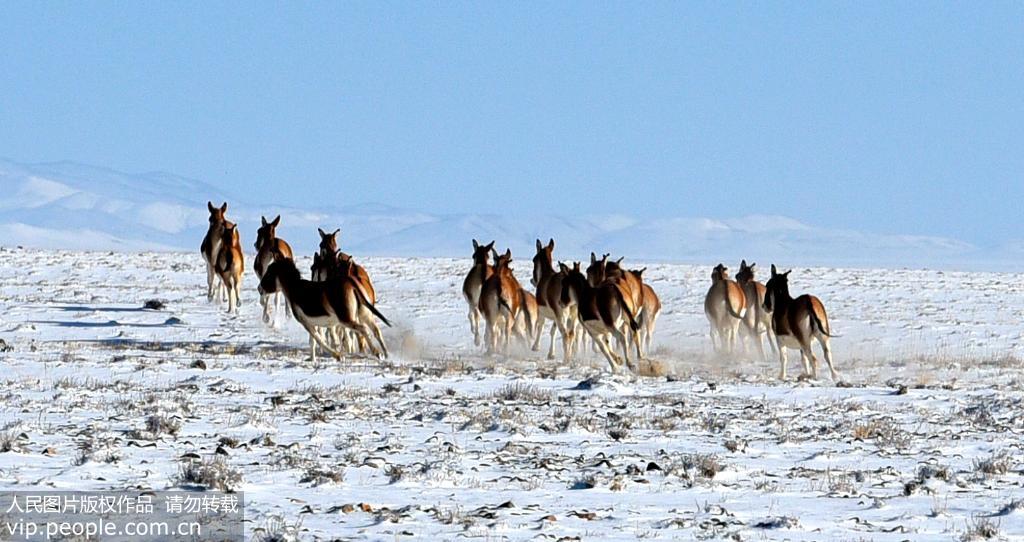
column 862, row 115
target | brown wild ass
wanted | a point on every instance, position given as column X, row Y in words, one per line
column 724, row 305
column 500, row 303
column 474, row 283
column 326, row 305
column 630, row 284
column 210, row 248
column 603, row 311
column 795, row 322
column 336, row 262
column 756, row 320
column 267, row 245
column 651, row 310
column 330, row 263
column 231, row 264
column 549, row 300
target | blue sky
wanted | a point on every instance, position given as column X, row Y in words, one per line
column 869, row 116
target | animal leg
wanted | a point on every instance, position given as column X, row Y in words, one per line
column 826, row 350
column 510, row 324
column 782, row 362
column 601, row 341
column 621, row 338
column 474, row 324
column 805, row 358
column 315, row 335
column 211, row 277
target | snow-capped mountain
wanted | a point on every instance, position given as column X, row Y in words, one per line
column 74, row 206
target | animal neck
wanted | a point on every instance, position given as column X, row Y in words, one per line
column 546, row 269
column 287, row 279
column 782, row 298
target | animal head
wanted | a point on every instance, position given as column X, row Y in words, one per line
column 776, row 287
column 573, row 284
column 328, row 242
column 217, row 213
column 502, row 262
column 720, row 272
column 746, row 272
column 267, row 231
column 482, row 253
column 597, row 271
column 542, row 260
column 230, row 234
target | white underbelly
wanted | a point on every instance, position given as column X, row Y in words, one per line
column 329, row 320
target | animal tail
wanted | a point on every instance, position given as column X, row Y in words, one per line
column 366, row 302
column 728, row 304
column 816, row 322
column 625, row 308
column 504, row 303
column 526, row 311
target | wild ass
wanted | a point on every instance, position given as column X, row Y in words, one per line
column 267, row 246
column 603, row 311
column 651, row 310
column 210, row 248
column 795, row 322
column 500, row 303
column 756, row 320
column 330, row 263
column 549, row 301
column 336, row 262
column 724, row 305
column 474, row 283
column 326, row 305
column 630, row 284
column 231, row 264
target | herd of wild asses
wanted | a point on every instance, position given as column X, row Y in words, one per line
column 605, row 300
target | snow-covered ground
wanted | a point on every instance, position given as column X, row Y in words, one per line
column 923, row 441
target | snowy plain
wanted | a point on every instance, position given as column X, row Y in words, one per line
column 921, row 442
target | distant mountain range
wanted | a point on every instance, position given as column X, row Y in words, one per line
column 66, row 205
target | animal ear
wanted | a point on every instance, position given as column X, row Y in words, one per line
column 575, row 266
column 743, row 264
column 786, row 274
column 551, row 244
column 323, row 234
column 774, row 271
column 209, row 205
column 475, row 245
column 224, row 208
column 619, row 261
column 263, row 220
column 491, row 245
column 751, row 266
column 276, row 221
column 508, row 253
column 641, row 272
column 494, row 253
column 563, row 268
column 336, row 232
column 593, row 258
column 539, row 245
